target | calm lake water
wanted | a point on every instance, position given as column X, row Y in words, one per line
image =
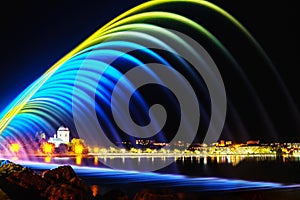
column 200, row 174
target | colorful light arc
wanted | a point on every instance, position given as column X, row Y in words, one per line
column 47, row 102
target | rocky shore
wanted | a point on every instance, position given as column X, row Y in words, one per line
column 62, row 183
column 59, row 183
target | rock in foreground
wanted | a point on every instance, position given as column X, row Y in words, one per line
column 59, row 183
column 18, row 182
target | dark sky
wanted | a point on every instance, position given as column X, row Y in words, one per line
column 35, row 35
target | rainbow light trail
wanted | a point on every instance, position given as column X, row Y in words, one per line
column 134, row 180
column 47, row 102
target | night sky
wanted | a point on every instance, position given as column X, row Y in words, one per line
column 35, row 35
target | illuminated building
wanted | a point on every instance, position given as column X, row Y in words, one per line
column 221, row 143
column 62, row 136
column 252, row 142
column 143, row 142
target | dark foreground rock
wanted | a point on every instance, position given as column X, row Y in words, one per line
column 114, row 195
column 163, row 194
column 146, row 194
column 60, row 183
column 18, row 182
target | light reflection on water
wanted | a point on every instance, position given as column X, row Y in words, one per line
column 101, row 161
column 103, row 177
column 233, row 160
column 197, row 173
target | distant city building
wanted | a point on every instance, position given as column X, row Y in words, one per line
column 197, row 146
column 62, row 136
column 158, row 145
column 143, row 142
column 253, row 142
column 179, row 143
column 124, row 144
column 214, row 144
column 221, row 143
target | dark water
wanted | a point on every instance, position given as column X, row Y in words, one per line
column 253, row 168
column 194, row 174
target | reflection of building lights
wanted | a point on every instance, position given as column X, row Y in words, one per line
column 228, row 159
column 78, row 160
column 205, row 160
column 218, row 159
column 47, row 159
column 15, row 147
column 95, row 190
column 223, row 159
column 96, row 160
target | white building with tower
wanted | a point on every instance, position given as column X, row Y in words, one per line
column 62, row 136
